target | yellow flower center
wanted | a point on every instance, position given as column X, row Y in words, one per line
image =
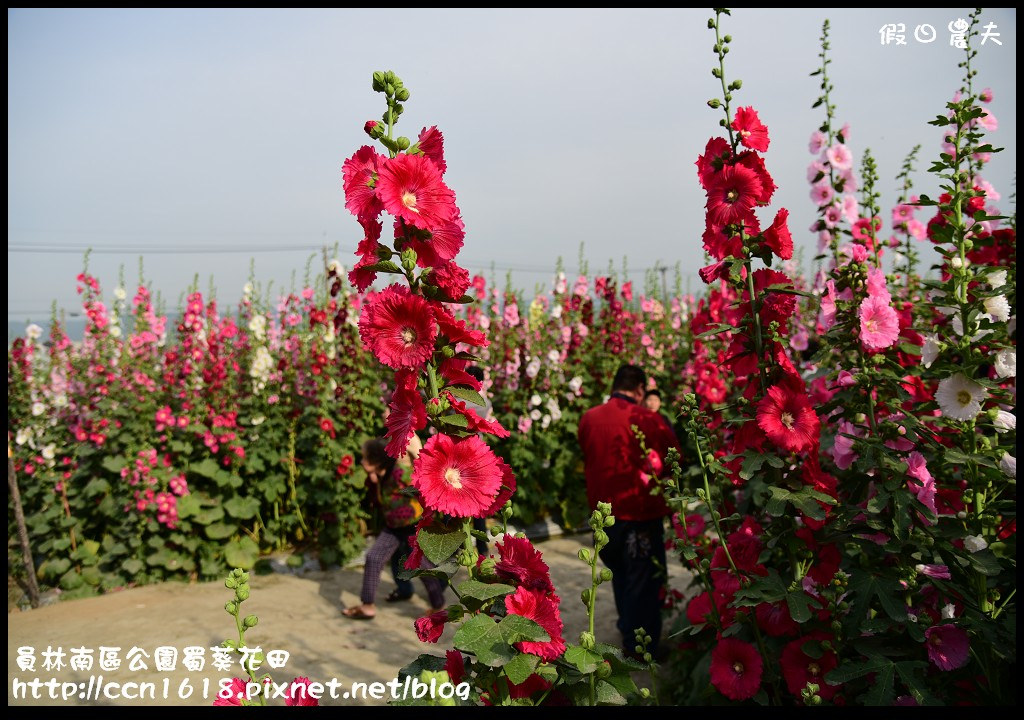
column 732, row 196
column 787, row 420
column 963, row 397
column 408, row 336
column 871, row 326
column 737, row 666
column 453, row 478
column 409, row 200
column 813, row 669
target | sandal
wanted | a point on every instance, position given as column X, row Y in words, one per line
column 396, row 596
column 356, row 613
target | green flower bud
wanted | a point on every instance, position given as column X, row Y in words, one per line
column 609, row 521
column 243, row 577
column 584, row 555
column 402, row 95
column 606, row 574
column 714, row 103
column 587, row 640
column 711, row 23
column 389, row 89
column 448, row 351
column 600, row 538
column 585, row 596
column 604, row 669
column 399, row 109
column 250, row 621
column 728, row 38
column 231, row 608
column 408, row 255
column 230, row 583
column 403, row 143
column 242, row 593
column 487, row 569
column 378, row 81
column 605, row 508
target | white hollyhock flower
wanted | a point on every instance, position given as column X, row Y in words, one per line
column 959, row 397
column 575, row 384
column 997, row 279
column 258, row 420
column 553, row 356
column 930, row 350
column 535, row 414
column 23, row 436
column 533, row 368
column 1005, row 421
column 38, row 409
column 258, row 326
column 536, row 400
column 949, row 611
column 50, row 451
column 998, row 307
column 247, row 289
column 335, row 266
column 556, row 311
column 545, row 421
column 1006, row 363
column 956, row 262
column 115, row 331
column 120, row 294
column 33, row 332
column 1008, row 465
column 974, row 543
column 958, row 326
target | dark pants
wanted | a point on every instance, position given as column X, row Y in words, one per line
column 635, row 554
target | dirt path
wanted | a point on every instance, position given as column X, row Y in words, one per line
column 299, row 614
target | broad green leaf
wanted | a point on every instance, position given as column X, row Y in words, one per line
column 798, row 602
column 242, row 508
column 241, row 553
column 519, row 668
column 219, row 531
column 586, row 661
column 516, row 628
column 207, row 467
column 483, row 591
column 881, row 693
column 482, row 637
column 438, row 547
column 853, row 670
column 464, row 393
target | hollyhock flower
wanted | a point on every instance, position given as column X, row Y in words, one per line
column 722, row 241
column 1005, row 421
column 715, row 271
column 788, row 419
column 732, row 193
column 359, row 175
column 475, row 423
column 235, row 691
column 879, row 323
column 921, row 481
column 754, row 162
column 828, row 305
column 902, row 214
column 799, row 668
column 407, row 415
column 411, row 188
column 522, row 563
column 542, row 608
column 431, row 144
column 455, row 666
column 778, row 238
column 833, row 216
column 959, row 397
column 457, row 477
column 398, row 328
column 736, row 669
column 505, row 493
column 930, row 350
column 752, row 132
column 436, row 246
column 822, row 193
column 996, row 279
column 850, row 208
column 1006, row 363
column 863, row 229
column 839, row 156
column 774, row 619
column 456, row 330
column 451, row 279
column 817, row 142
column 998, row 307
column 511, row 315
column 429, row 628
column 948, row 646
column 816, row 171
column 298, row 694
column 1008, row 464
column 975, row 543
column 939, row 572
column 716, row 153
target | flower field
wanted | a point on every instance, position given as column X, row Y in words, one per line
column 846, row 494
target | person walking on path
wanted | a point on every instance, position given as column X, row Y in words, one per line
column 615, row 467
column 401, row 512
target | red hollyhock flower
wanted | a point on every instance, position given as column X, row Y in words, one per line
column 435, row 246
column 778, row 237
column 455, row 666
column 360, row 276
column 359, row 175
column 451, row 279
column 716, row 154
column 753, row 133
column 508, row 489
column 522, row 562
column 431, row 144
column 406, row 417
column 398, row 328
column 754, row 162
column 327, row 426
column 774, row 619
column 430, row 627
column 297, row 694
column 698, row 610
column 732, row 193
column 456, row 330
column 454, row 371
column 788, row 419
column 411, row 188
column 778, row 306
column 533, row 684
column 948, row 646
column 715, row 271
column 736, row 669
column 542, row 609
column 475, row 423
column 722, row 241
column 237, row 693
column 799, row 668
column 457, row 477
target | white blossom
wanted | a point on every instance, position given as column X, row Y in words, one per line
column 33, row 332
column 258, row 420
column 1005, row 421
column 535, row 400
column 949, row 611
column 23, row 436
column 930, row 350
column 120, row 294
column 1008, row 465
column 959, row 397
column 535, row 414
column 545, row 421
column 1006, row 363
column 554, row 356
column 997, row 279
column 38, row 409
column 335, row 266
column 556, row 311
column 974, row 543
column 532, row 368
column 258, row 326
column 576, row 383
column 50, row 451
column 998, row 307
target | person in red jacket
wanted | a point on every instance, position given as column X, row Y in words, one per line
column 618, row 473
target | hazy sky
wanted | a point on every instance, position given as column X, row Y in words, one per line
column 173, row 130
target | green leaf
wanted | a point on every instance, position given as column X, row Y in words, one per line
column 242, row 508
column 464, row 393
column 242, row 553
column 881, row 693
column 438, row 547
column 586, row 661
column 385, row 266
column 918, row 689
column 608, row 694
column 188, row 505
column 751, row 464
column 114, row 463
column 985, row 562
column 456, row 420
column 798, row 602
column 853, row 670
column 482, row 637
column 207, row 467
column 483, row 591
column 519, row 668
column 209, row 515
column 516, row 628
column 132, row 566
column 219, row 531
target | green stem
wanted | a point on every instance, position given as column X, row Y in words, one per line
column 726, row 95
column 755, row 307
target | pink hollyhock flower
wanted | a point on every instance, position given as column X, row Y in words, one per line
column 879, row 323
column 457, row 477
column 627, row 291
column 753, row 133
column 524, row 424
column 828, row 305
column 298, row 694
column 581, row 287
column 939, row 572
column 948, row 646
column 736, row 669
column 985, row 95
column 839, row 156
column 863, row 227
column 732, row 193
column 921, row 481
column 429, row 628
column 833, row 216
column 522, row 562
column 398, row 328
column 800, row 340
column 846, row 379
column 511, row 315
column 877, row 285
column 817, row 142
column 359, row 178
column 411, row 188
column 850, row 208
column 431, row 144
column 816, row 171
column 542, row 609
column 788, row 419
column 235, row 691
column 856, row 252
column 778, row 238
column 988, row 121
column 798, row 668
column 901, row 214
column 842, row 447
column 848, row 180
column 717, row 152
column 821, row 193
